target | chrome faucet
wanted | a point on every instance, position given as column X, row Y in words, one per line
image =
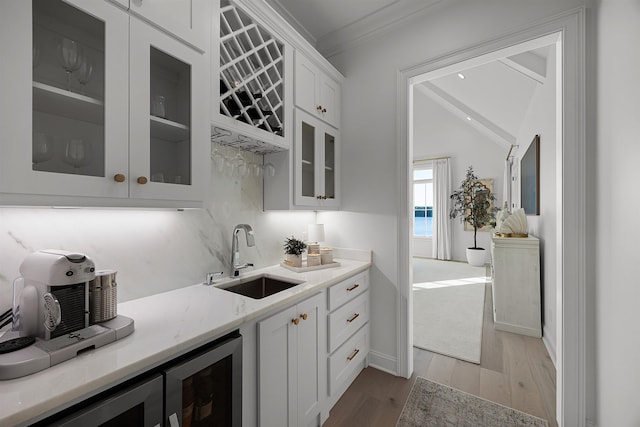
column 235, row 250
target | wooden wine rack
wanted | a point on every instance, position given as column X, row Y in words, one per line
column 251, row 71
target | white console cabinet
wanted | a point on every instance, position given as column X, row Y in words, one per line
column 516, row 285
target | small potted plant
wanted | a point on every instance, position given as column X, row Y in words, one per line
column 472, row 202
column 293, row 249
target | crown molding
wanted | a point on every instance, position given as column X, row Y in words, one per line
column 287, row 16
column 373, row 25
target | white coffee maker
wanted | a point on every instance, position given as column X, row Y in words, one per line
column 51, row 298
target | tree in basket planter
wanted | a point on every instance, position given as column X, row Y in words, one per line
column 293, row 249
column 472, row 202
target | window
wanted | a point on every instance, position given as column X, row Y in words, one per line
column 423, row 201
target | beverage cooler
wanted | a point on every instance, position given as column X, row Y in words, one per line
column 202, row 388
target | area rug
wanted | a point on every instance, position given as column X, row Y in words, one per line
column 448, row 308
column 434, row 405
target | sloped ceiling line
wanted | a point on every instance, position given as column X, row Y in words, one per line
column 528, row 64
column 481, row 123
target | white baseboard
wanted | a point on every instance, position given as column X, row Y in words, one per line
column 551, row 348
column 517, row 329
column 383, row 362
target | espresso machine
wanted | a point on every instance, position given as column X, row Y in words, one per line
column 62, row 306
column 51, row 298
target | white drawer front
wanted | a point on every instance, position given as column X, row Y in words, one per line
column 348, row 319
column 348, row 357
column 348, row 289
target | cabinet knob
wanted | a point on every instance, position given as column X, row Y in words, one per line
column 295, row 321
column 353, row 287
column 119, row 177
column 354, row 317
column 304, row 316
column 142, row 180
column 319, row 108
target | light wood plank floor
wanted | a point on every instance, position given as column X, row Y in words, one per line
column 515, row 371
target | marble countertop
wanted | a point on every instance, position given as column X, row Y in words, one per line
column 166, row 325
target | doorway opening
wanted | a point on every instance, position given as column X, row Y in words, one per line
column 567, row 35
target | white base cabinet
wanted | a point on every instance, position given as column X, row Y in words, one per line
column 291, row 365
column 515, row 269
column 348, row 335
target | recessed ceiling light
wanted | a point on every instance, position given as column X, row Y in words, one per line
column 461, row 75
column 468, row 118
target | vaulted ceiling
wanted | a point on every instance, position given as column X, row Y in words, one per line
column 493, row 97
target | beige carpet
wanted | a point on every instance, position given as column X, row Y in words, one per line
column 434, row 405
column 448, row 308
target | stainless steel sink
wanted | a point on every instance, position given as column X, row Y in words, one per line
column 258, row 287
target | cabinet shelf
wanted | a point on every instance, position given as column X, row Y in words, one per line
column 60, row 102
column 168, row 130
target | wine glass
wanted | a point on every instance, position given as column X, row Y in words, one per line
column 269, row 170
column 69, row 56
column 241, row 167
column 42, row 149
column 77, row 153
column 218, row 159
column 85, row 71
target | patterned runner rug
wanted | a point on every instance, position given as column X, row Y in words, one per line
column 434, row 405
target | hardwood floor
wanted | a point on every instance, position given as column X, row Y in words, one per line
column 515, row 371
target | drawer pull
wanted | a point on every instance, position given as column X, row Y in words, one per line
column 295, row 321
column 357, row 285
column 354, row 354
column 355, row 316
column 304, row 316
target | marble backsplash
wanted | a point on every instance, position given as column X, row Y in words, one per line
column 153, row 250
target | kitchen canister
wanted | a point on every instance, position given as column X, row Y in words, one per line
column 313, row 248
column 313, row 260
column 326, row 255
column 103, row 296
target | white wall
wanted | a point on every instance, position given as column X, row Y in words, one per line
column 541, row 120
column 439, row 133
column 153, row 250
column 370, row 181
column 614, row 161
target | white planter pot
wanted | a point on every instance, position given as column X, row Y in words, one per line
column 476, row 257
column 296, row 260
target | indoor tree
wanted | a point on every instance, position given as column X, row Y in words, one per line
column 472, row 202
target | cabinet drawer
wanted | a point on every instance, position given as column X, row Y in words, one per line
column 348, row 358
column 348, row 319
column 348, row 289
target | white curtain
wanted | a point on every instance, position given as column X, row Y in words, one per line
column 441, row 203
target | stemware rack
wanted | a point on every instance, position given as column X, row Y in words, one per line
column 251, row 71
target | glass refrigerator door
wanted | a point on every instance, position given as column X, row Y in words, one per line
column 139, row 405
column 206, row 390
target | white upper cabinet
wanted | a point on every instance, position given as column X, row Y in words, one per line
column 73, row 111
column 188, row 20
column 316, row 92
column 62, row 137
column 317, row 166
column 169, row 125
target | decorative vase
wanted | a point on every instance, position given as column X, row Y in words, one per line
column 294, row 260
column 476, row 256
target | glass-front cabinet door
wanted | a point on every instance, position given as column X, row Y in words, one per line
column 64, row 133
column 317, row 164
column 168, row 121
column 98, row 108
